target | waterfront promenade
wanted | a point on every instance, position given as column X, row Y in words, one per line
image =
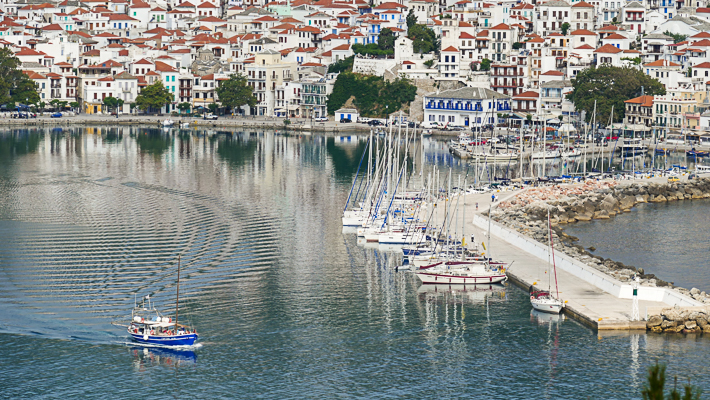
column 598, row 300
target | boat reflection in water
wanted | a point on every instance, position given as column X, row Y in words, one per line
column 153, row 356
column 543, row 318
column 459, row 293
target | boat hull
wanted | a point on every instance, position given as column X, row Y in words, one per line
column 175, row 340
column 547, row 306
column 434, row 278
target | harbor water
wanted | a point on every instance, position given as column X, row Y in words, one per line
column 666, row 239
column 287, row 305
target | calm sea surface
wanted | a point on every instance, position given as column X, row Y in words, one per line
column 286, row 304
column 669, row 240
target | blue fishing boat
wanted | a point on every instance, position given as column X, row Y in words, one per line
column 149, row 326
column 696, row 153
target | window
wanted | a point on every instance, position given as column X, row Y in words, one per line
column 432, row 118
column 441, row 118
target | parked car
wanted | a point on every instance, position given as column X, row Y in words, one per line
column 430, row 124
column 321, row 119
column 210, row 116
column 345, row 120
column 56, row 115
column 375, row 122
column 413, row 124
column 673, row 179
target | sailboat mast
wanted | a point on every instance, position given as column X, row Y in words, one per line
column 177, row 296
column 552, row 250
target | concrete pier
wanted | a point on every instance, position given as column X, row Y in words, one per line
column 592, row 297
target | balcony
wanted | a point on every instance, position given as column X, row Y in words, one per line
column 436, row 106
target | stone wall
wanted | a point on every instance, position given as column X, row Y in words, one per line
column 372, row 66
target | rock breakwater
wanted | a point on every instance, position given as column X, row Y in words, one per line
column 527, row 213
column 676, row 320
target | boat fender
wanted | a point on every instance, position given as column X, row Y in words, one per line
column 152, row 332
column 145, row 337
column 135, row 330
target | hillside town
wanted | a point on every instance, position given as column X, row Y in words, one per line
column 486, row 62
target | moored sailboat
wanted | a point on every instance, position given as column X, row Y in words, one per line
column 543, row 300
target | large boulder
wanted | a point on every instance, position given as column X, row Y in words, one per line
column 668, row 324
column 671, row 314
column 690, row 324
column 655, row 320
column 626, row 202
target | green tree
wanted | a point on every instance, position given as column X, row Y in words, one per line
column 677, row 37
column 110, row 102
column 74, row 105
column 424, row 39
column 372, row 49
column 119, row 104
column 429, row 63
column 529, row 118
column 485, row 64
column 213, row 107
column 373, row 96
column 610, row 87
column 63, row 104
column 633, row 60
column 385, row 40
column 184, row 107
column 346, row 64
column 15, row 86
column 54, row 103
column 654, row 388
column 411, row 18
column 154, row 97
column 24, row 91
column 235, row 92
column 565, row 27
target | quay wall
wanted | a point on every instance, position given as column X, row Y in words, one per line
column 585, row 272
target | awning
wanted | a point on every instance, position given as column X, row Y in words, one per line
column 567, row 128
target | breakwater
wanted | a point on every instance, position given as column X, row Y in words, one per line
column 527, row 213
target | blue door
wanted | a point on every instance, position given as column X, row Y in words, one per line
column 348, row 116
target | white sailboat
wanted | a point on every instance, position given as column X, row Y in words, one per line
column 542, row 300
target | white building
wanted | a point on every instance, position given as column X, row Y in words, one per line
column 470, row 107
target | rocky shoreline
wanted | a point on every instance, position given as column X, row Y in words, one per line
column 675, row 320
column 527, row 213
